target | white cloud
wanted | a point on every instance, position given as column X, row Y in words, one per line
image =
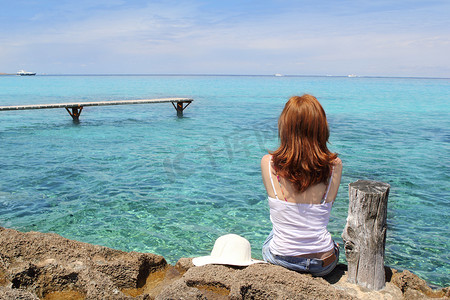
column 186, row 39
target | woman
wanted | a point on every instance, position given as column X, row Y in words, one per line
column 302, row 178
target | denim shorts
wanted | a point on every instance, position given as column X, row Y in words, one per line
column 299, row 264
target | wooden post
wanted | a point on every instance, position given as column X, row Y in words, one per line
column 75, row 114
column 179, row 107
column 365, row 233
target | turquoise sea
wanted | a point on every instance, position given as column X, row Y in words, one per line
column 137, row 177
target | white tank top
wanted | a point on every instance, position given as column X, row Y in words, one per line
column 299, row 228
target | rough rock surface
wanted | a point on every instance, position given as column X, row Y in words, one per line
column 257, row 281
column 35, row 265
column 414, row 287
column 47, row 264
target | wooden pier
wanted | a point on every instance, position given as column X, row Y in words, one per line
column 74, row 108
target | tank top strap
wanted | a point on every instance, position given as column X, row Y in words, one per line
column 325, row 195
column 271, row 179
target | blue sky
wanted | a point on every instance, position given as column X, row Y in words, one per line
column 322, row 37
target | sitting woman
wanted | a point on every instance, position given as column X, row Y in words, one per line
column 302, row 178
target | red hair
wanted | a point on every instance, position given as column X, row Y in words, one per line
column 303, row 157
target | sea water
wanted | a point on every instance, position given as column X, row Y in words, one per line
column 137, row 177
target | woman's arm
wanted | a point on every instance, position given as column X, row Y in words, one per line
column 336, row 180
column 265, row 175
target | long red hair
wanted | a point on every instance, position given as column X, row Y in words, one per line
column 303, row 157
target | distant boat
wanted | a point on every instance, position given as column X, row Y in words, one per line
column 352, row 75
column 25, row 73
column 278, row 75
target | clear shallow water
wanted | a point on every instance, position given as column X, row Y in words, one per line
column 138, row 178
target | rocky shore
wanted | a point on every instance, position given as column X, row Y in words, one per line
column 37, row 265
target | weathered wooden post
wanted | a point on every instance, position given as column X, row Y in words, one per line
column 179, row 107
column 365, row 233
column 75, row 114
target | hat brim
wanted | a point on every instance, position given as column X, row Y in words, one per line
column 209, row 260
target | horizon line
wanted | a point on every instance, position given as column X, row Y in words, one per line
column 237, row 75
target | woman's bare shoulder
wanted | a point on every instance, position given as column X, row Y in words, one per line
column 265, row 159
column 337, row 162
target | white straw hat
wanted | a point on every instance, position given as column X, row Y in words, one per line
column 229, row 249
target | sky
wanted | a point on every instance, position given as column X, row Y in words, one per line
column 243, row 37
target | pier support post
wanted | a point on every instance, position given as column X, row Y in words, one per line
column 75, row 114
column 365, row 233
column 179, row 107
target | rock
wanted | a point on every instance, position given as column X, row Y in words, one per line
column 9, row 293
column 257, row 281
column 389, row 292
column 47, row 266
column 414, row 287
column 184, row 264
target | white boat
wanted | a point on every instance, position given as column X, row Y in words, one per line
column 277, row 75
column 352, row 75
column 25, row 73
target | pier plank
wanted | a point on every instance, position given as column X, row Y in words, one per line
column 97, row 103
column 77, row 107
